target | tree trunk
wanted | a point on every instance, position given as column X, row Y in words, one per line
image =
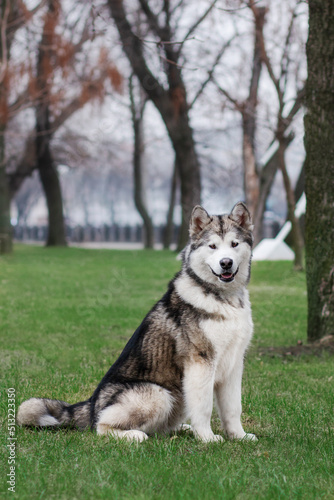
column 251, row 177
column 6, row 11
column 174, row 112
column 181, row 135
column 319, row 169
column 137, row 113
column 6, row 245
column 249, row 115
column 168, row 231
column 138, row 183
column 25, row 166
column 52, row 190
column 296, row 234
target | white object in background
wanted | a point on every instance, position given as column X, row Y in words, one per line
column 301, row 206
column 272, row 249
column 275, row 248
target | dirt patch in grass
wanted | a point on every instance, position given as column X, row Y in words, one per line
column 326, row 344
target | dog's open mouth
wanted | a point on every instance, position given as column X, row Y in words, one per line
column 226, row 277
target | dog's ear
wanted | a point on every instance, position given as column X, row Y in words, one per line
column 199, row 219
column 240, row 214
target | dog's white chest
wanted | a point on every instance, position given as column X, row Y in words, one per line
column 229, row 336
column 233, row 328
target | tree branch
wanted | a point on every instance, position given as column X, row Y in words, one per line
column 195, row 25
column 211, row 71
column 264, row 55
column 237, row 105
column 137, row 112
column 285, row 59
column 22, row 100
column 152, row 20
column 17, row 21
column 286, row 124
column 133, row 48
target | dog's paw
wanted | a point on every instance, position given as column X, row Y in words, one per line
column 244, row 437
column 133, row 435
column 216, row 438
column 212, row 438
column 250, row 437
column 185, row 427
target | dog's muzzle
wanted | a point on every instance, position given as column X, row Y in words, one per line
column 225, row 276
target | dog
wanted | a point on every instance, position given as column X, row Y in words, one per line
column 189, row 348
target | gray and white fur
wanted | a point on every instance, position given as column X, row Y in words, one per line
column 188, row 350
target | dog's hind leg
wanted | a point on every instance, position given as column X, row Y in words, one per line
column 137, row 412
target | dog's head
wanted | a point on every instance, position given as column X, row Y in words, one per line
column 221, row 246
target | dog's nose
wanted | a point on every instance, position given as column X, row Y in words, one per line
column 226, row 264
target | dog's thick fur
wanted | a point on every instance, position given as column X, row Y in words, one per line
column 189, row 348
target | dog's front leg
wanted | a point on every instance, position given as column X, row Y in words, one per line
column 228, row 397
column 198, row 393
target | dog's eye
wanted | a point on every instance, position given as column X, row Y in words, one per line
column 213, row 246
column 234, row 244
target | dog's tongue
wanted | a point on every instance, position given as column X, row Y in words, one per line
column 227, row 275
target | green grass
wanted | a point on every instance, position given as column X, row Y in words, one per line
column 65, row 315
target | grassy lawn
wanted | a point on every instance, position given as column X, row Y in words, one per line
column 65, row 315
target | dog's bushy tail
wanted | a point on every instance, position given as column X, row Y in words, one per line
column 36, row 412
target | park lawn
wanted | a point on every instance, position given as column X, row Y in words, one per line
column 65, row 315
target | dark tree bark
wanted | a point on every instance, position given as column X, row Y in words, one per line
column 52, row 190
column 137, row 112
column 171, row 103
column 6, row 245
column 44, row 160
column 319, row 169
column 168, row 230
column 6, row 14
column 25, row 166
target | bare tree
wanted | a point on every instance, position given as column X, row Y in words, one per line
column 13, row 15
column 259, row 176
column 168, row 229
column 44, row 160
column 280, row 85
column 171, row 102
column 56, row 61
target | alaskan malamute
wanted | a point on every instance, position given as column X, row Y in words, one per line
column 189, row 348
